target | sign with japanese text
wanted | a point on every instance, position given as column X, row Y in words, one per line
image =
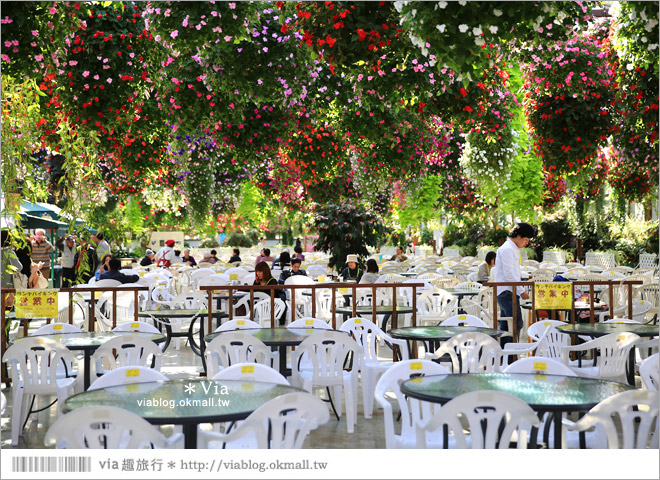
column 553, row 296
column 36, row 303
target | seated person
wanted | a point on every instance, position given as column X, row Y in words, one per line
column 148, row 258
column 235, row 257
column 187, row 259
column 264, row 256
column 352, row 272
column 284, row 260
column 177, row 257
column 399, row 256
column 298, row 253
column 295, row 270
column 483, row 274
column 213, row 258
column 371, row 275
column 103, row 267
column 263, row 276
column 115, row 274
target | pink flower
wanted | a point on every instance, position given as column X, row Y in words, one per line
column 174, row 34
column 86, row 73
column 52, row 10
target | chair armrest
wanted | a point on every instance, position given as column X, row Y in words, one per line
column 514, row 348
column 175, row 441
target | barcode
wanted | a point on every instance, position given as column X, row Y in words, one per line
column 51, row 464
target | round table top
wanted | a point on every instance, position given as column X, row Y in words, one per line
column 601, row 329
column 546, row 392
column 274, row 336
column 439, row 332
column 183, row 312
column 460, row 292
column 93, row 340
column 184, row 401
column 380, row 309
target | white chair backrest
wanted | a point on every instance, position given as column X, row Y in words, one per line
column 495, row 419
column 310, row 322
column 251, row 372
column 472, row 286
column 104, row 427
column 262, row 311
column 327, row 352
column 299, row 280
column 629, row 419
column 649, row 370
column 237, row 324
column 469, row 320
column 54, row 328
column 217, row 279
column 127, row 376
column 191, row 300
column 437, row 303
column 648, row 260
column 34, row 362
column 479, row 353
column 139, row 326
column 412, row 410
column 232, row 348
column 367, row 335
column 315, row 271
column 539, row 365
column 126, row 350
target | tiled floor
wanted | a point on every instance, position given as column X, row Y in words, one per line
column 184, row 364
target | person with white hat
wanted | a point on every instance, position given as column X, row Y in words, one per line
column 148, row 258
column 352, row 272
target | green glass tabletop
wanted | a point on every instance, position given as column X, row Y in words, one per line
column 93, row 340
column 600, row 329
column 461, row 291
column 380, row 309
column 184, row 401
column 548, row 392
column 273, row 336
column 439, row 332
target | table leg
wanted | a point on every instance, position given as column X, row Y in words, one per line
column 86, row 366
column 630, row 368
column 282, row 350
column 556, row 418
column 190, row 436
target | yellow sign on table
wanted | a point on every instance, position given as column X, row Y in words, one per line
column 233, row 276
column 322, row 278
column 36, row 303
column 553, row 296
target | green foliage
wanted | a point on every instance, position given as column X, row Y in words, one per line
column 494, row 236
column 422, row 206
column 209, row 243
column 425, row 237
column 554, row 231
column 238, row 240
column 346, row 229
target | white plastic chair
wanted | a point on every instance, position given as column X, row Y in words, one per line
column 411, row 410
column 55, row 328
column 106, row 283
column 262, row 311
column 106, row 427
column 127, row 376
column 472, row 352
column 315, row 271
column 368, row 336
column 612, row 358
column 251, row 372
column 310, row 322
column 434, row 306
column 232, row 348
column 124, row 351
column 459, row 320
column 33, row 364
column 636, row 424
column 540, row 366
column 649, row 370
column 328, row 352
column 495, row 419
column 237, row 324
column 472, row 286
column 283, row 422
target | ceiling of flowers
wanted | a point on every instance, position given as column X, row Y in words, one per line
column 458, row 106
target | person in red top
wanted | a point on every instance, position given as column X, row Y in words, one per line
column 165, row 255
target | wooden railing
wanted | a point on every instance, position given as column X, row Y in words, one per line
column 610, row 283
column 314, row 287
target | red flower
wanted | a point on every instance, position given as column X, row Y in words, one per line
column 284, row 27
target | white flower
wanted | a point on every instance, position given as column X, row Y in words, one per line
column 476, row 31
column 493, row 29
column 644, row 39
column 653, row 46
column 441, row 28
column 497, row 12
column 399, row 5
column 650, row 24
column 630, row 66
column 479, row 41
column 413, row 13
column 463, row 28
column 462, row 3
column 442, row 4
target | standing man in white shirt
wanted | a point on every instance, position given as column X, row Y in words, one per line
column 507, row 263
